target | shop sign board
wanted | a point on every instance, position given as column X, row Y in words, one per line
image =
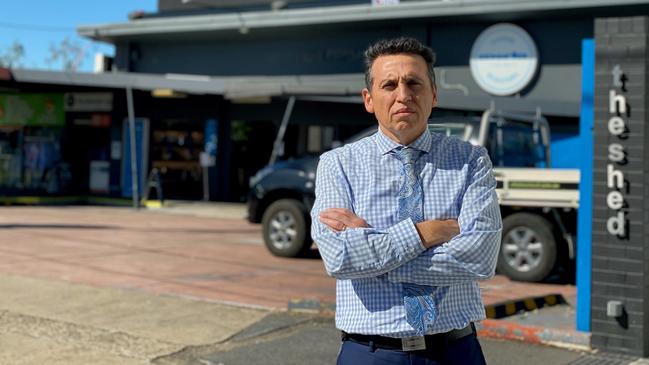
column 616, row 224
column 504, row 59
column 32, row 110
column 88, row 102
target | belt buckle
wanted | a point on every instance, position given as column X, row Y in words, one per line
column 413, row 343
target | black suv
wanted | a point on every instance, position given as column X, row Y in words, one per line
column 281, row 197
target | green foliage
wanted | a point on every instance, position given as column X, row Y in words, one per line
column 68, row 54
column 12, row 56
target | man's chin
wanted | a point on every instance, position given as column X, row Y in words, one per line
column 404, row 123
column 407, row 123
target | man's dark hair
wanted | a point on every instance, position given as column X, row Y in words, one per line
column 402, row 45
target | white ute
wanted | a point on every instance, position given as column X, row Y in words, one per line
column 538, row 203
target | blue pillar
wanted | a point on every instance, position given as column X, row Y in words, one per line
column 585, row 213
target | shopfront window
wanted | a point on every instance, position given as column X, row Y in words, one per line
column 42, row 160
column 30, row 144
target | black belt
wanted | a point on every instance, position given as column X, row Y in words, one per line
column 410, row 343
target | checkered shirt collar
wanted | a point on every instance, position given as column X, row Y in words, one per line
column 386, row 145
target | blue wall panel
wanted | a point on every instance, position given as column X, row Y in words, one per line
column 562, row 150
column 584, row 217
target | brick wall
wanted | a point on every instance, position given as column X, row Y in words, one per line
column 620, row 254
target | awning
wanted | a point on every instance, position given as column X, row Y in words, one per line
column 336, row 88
column 121, row 80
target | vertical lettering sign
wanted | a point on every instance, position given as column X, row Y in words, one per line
column 620, row 246
column 619, row 111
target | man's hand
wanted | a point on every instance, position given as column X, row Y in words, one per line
column 339, row 219
column 433, row 233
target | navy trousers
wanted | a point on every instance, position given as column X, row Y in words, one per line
column 464, row 351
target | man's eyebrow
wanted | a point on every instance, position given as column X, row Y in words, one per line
column 387, row 79
column 406, row 78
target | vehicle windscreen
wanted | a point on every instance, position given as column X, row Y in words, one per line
column 450, row 129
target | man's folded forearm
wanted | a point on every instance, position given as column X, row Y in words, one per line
column 448, row 265
column 366, row 252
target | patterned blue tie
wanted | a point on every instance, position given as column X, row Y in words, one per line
column 419, row 305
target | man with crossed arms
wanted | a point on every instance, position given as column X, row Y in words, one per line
column 408, row 222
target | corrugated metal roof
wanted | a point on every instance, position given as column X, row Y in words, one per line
column 121, row 80
column 230, row 87
column 333, row 14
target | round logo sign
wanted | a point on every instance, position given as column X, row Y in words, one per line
column 504, row 59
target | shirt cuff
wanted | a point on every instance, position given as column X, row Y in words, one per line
column 405, row 233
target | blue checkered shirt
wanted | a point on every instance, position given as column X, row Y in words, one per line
column 370, row 264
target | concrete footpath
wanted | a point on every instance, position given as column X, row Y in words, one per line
column 52, row 322
column 46, row 322
column 60, row 323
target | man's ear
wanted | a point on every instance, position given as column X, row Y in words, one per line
column 367, row 100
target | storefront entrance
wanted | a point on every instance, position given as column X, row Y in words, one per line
column 252, row 144
column 176, row 145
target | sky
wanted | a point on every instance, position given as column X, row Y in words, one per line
column 38, row 24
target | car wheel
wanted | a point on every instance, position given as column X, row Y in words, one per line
column 285, row 224
column 528, row 251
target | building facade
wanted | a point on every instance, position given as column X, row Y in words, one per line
column 313, row 50
column 230, row 68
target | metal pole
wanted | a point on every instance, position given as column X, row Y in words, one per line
column 133, row 149
column 282, row 130
column 206, row 184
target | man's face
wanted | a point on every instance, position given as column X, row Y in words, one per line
column 402, row 96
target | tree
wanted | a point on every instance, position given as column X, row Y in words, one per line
column 69, row 54
column 13, row 55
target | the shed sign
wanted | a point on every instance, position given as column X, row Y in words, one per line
column 617, row 127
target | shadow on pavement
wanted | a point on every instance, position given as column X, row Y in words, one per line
column 55, row 226
column 87, row 226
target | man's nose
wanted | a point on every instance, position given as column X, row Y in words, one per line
column 404, row 93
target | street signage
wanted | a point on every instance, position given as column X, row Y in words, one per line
column 504, row 59
column 88, row 102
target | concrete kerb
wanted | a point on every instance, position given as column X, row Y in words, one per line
column 197, row 208
column 496, row 325
column 311, row 306
column 511, row 307
column 502, row 329
column 210, row 209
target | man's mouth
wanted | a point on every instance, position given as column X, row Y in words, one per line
column 404, row 111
